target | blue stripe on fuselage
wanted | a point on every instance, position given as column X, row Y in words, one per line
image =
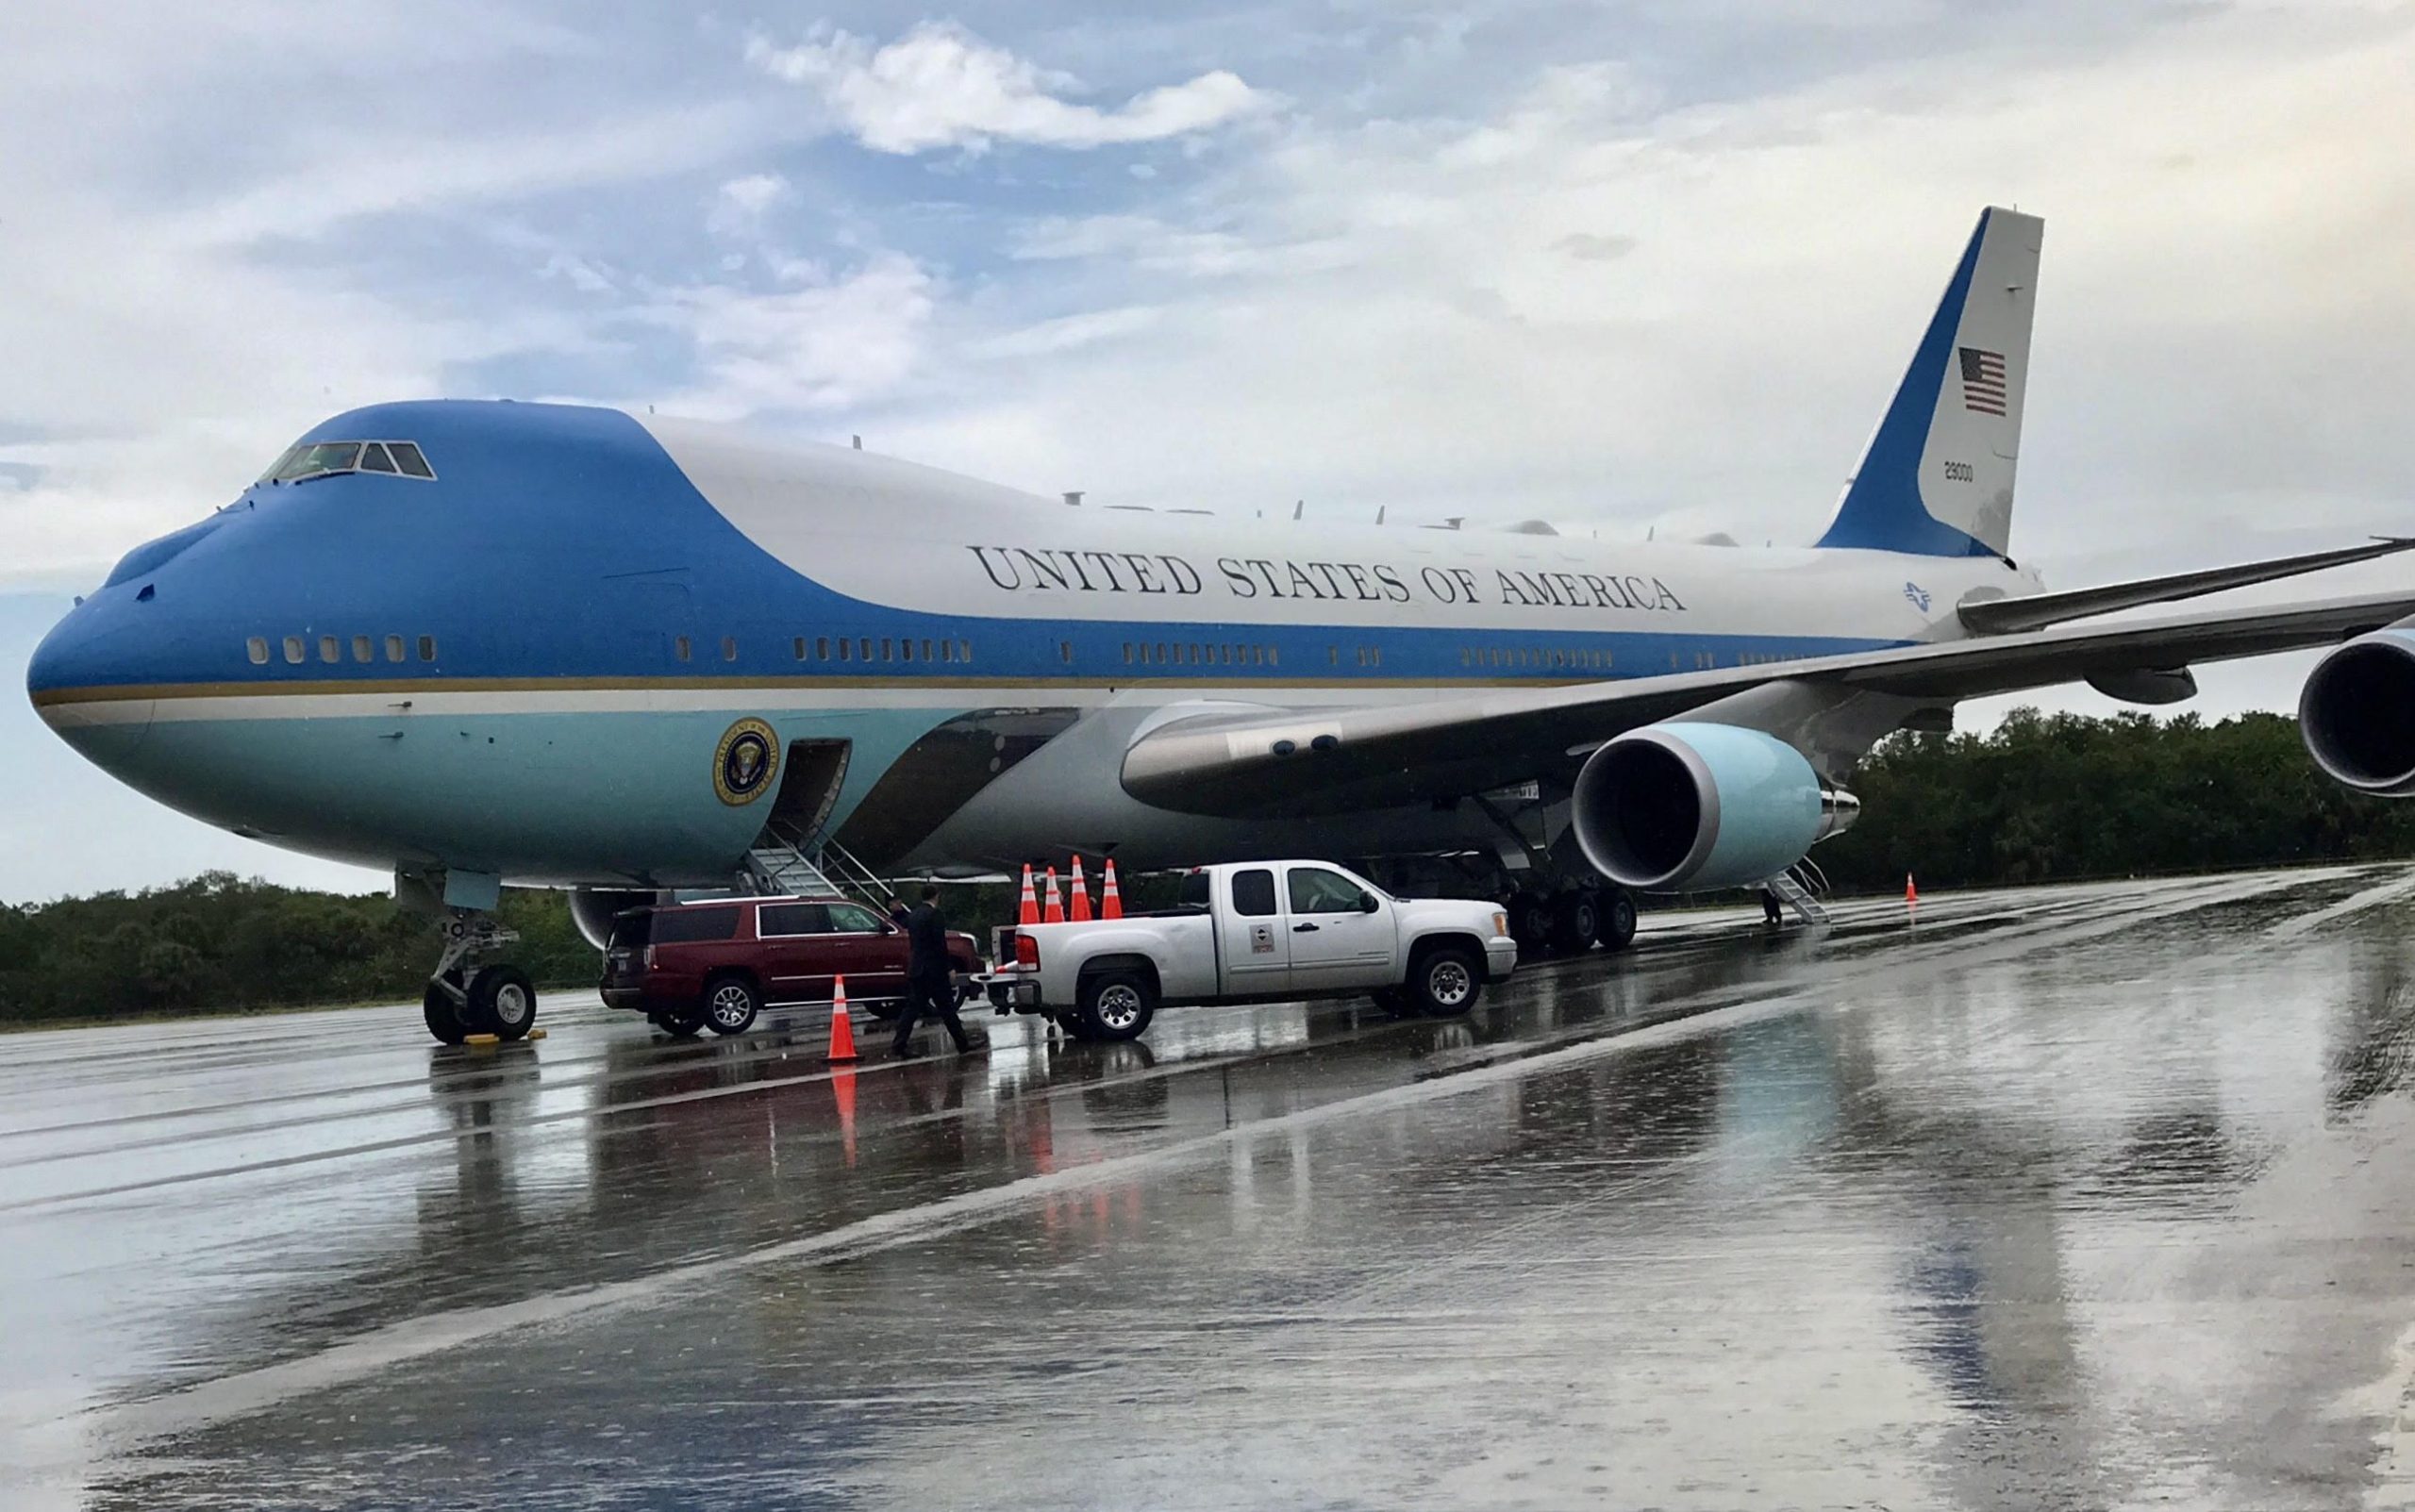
column 564, row 542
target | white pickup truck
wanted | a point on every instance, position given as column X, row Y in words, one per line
column 1255, row 932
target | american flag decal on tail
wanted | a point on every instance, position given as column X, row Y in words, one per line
column 1982, row 381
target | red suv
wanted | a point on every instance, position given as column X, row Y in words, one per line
column 715, row 965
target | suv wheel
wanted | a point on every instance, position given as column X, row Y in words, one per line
column 731, row 1005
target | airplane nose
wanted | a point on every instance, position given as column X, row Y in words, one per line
column 81, row 685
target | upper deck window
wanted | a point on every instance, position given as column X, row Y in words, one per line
column 318, row 459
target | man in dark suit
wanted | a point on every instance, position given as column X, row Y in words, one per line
column 930, row 983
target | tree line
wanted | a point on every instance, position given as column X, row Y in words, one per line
column 2041, row 798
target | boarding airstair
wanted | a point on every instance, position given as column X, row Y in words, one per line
column 783, row 861
column 1798, row 887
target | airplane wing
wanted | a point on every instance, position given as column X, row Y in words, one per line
column 1313, row 760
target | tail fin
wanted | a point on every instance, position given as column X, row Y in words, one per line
column 1937, row 477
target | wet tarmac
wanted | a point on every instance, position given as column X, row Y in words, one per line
column 2098, row 1197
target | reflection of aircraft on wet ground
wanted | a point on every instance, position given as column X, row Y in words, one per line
column 488, row 641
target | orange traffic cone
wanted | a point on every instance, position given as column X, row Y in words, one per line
column 1110, row 902
column 1028, row 913
column 1053, row 911
column 843, row 1030
column 1081, row 911
column 1911, row 893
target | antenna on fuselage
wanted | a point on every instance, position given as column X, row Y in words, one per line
column 1379, row 513
column 1299, row 507
column 1073, row 497
column 858, row 441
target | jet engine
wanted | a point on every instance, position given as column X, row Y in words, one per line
column 2357, row 712
column 1680, row 806
column 591, row 909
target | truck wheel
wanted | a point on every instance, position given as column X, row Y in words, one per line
column 730, row 1004
column 1117, row 1006
column 1445, row 982
column 684, row 1022
column 503, row 1002
column 1617, row 918
column 443, row 1018
column 1575, row 920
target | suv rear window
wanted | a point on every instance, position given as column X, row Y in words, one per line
column 630, row 930
column 680, row 926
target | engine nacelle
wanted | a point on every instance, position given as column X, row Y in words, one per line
column 591, row 909
column 2357, row 713
column 1682, row 806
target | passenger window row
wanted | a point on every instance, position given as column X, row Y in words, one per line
column 1170, row 654
column 331, row 649
column 848, row 648
column 1582, row 658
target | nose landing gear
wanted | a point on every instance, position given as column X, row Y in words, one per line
column 464, row 998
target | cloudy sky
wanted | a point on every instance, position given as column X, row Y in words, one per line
column 1631, row 266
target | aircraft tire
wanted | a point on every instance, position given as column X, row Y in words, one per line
column 503, row 1002
column 1445, row 982
column 1618, row 919
column 1116, row 1005
column 443, row 1018
column 1575, row 920
column 681, row 1023
column 1394, row 1000
column 1529, row 923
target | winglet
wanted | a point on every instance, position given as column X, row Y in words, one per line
column 1937, row 477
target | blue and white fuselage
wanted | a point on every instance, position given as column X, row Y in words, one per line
column 526, row 665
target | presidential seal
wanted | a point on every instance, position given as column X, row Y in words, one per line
column 743, row 766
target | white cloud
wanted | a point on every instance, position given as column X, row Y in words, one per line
column 940, row 86
column 825, row 343
column 738, row 205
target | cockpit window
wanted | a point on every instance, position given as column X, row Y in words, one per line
column 317, row 460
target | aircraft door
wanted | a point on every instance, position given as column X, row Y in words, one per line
column 1255, row 950
column 1336, row 940
column 816, row 770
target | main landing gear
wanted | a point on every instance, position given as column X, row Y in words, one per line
column 1572, row 920
column 464, row 998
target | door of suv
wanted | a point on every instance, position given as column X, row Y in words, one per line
column 1337, row 940
column 797, row 952
column 870, row 949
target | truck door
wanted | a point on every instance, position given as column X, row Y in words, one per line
column 1256, row 951
column 1336, row 940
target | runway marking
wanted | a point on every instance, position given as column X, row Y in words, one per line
column 245, row 1392
column 2355, row 903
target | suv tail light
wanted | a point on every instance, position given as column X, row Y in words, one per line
column 1027, row 952
column 649, row 957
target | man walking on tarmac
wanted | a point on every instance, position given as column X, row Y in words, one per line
column 930, row 987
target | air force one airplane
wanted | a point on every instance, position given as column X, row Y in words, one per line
column 491, row 642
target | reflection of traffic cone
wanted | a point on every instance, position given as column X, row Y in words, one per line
column 1028, row 911
column 843, row 1030
column 842, row 1087
column 1053, row 911
column 1110, row 902
column 1081, row 912
column 1911, row 893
